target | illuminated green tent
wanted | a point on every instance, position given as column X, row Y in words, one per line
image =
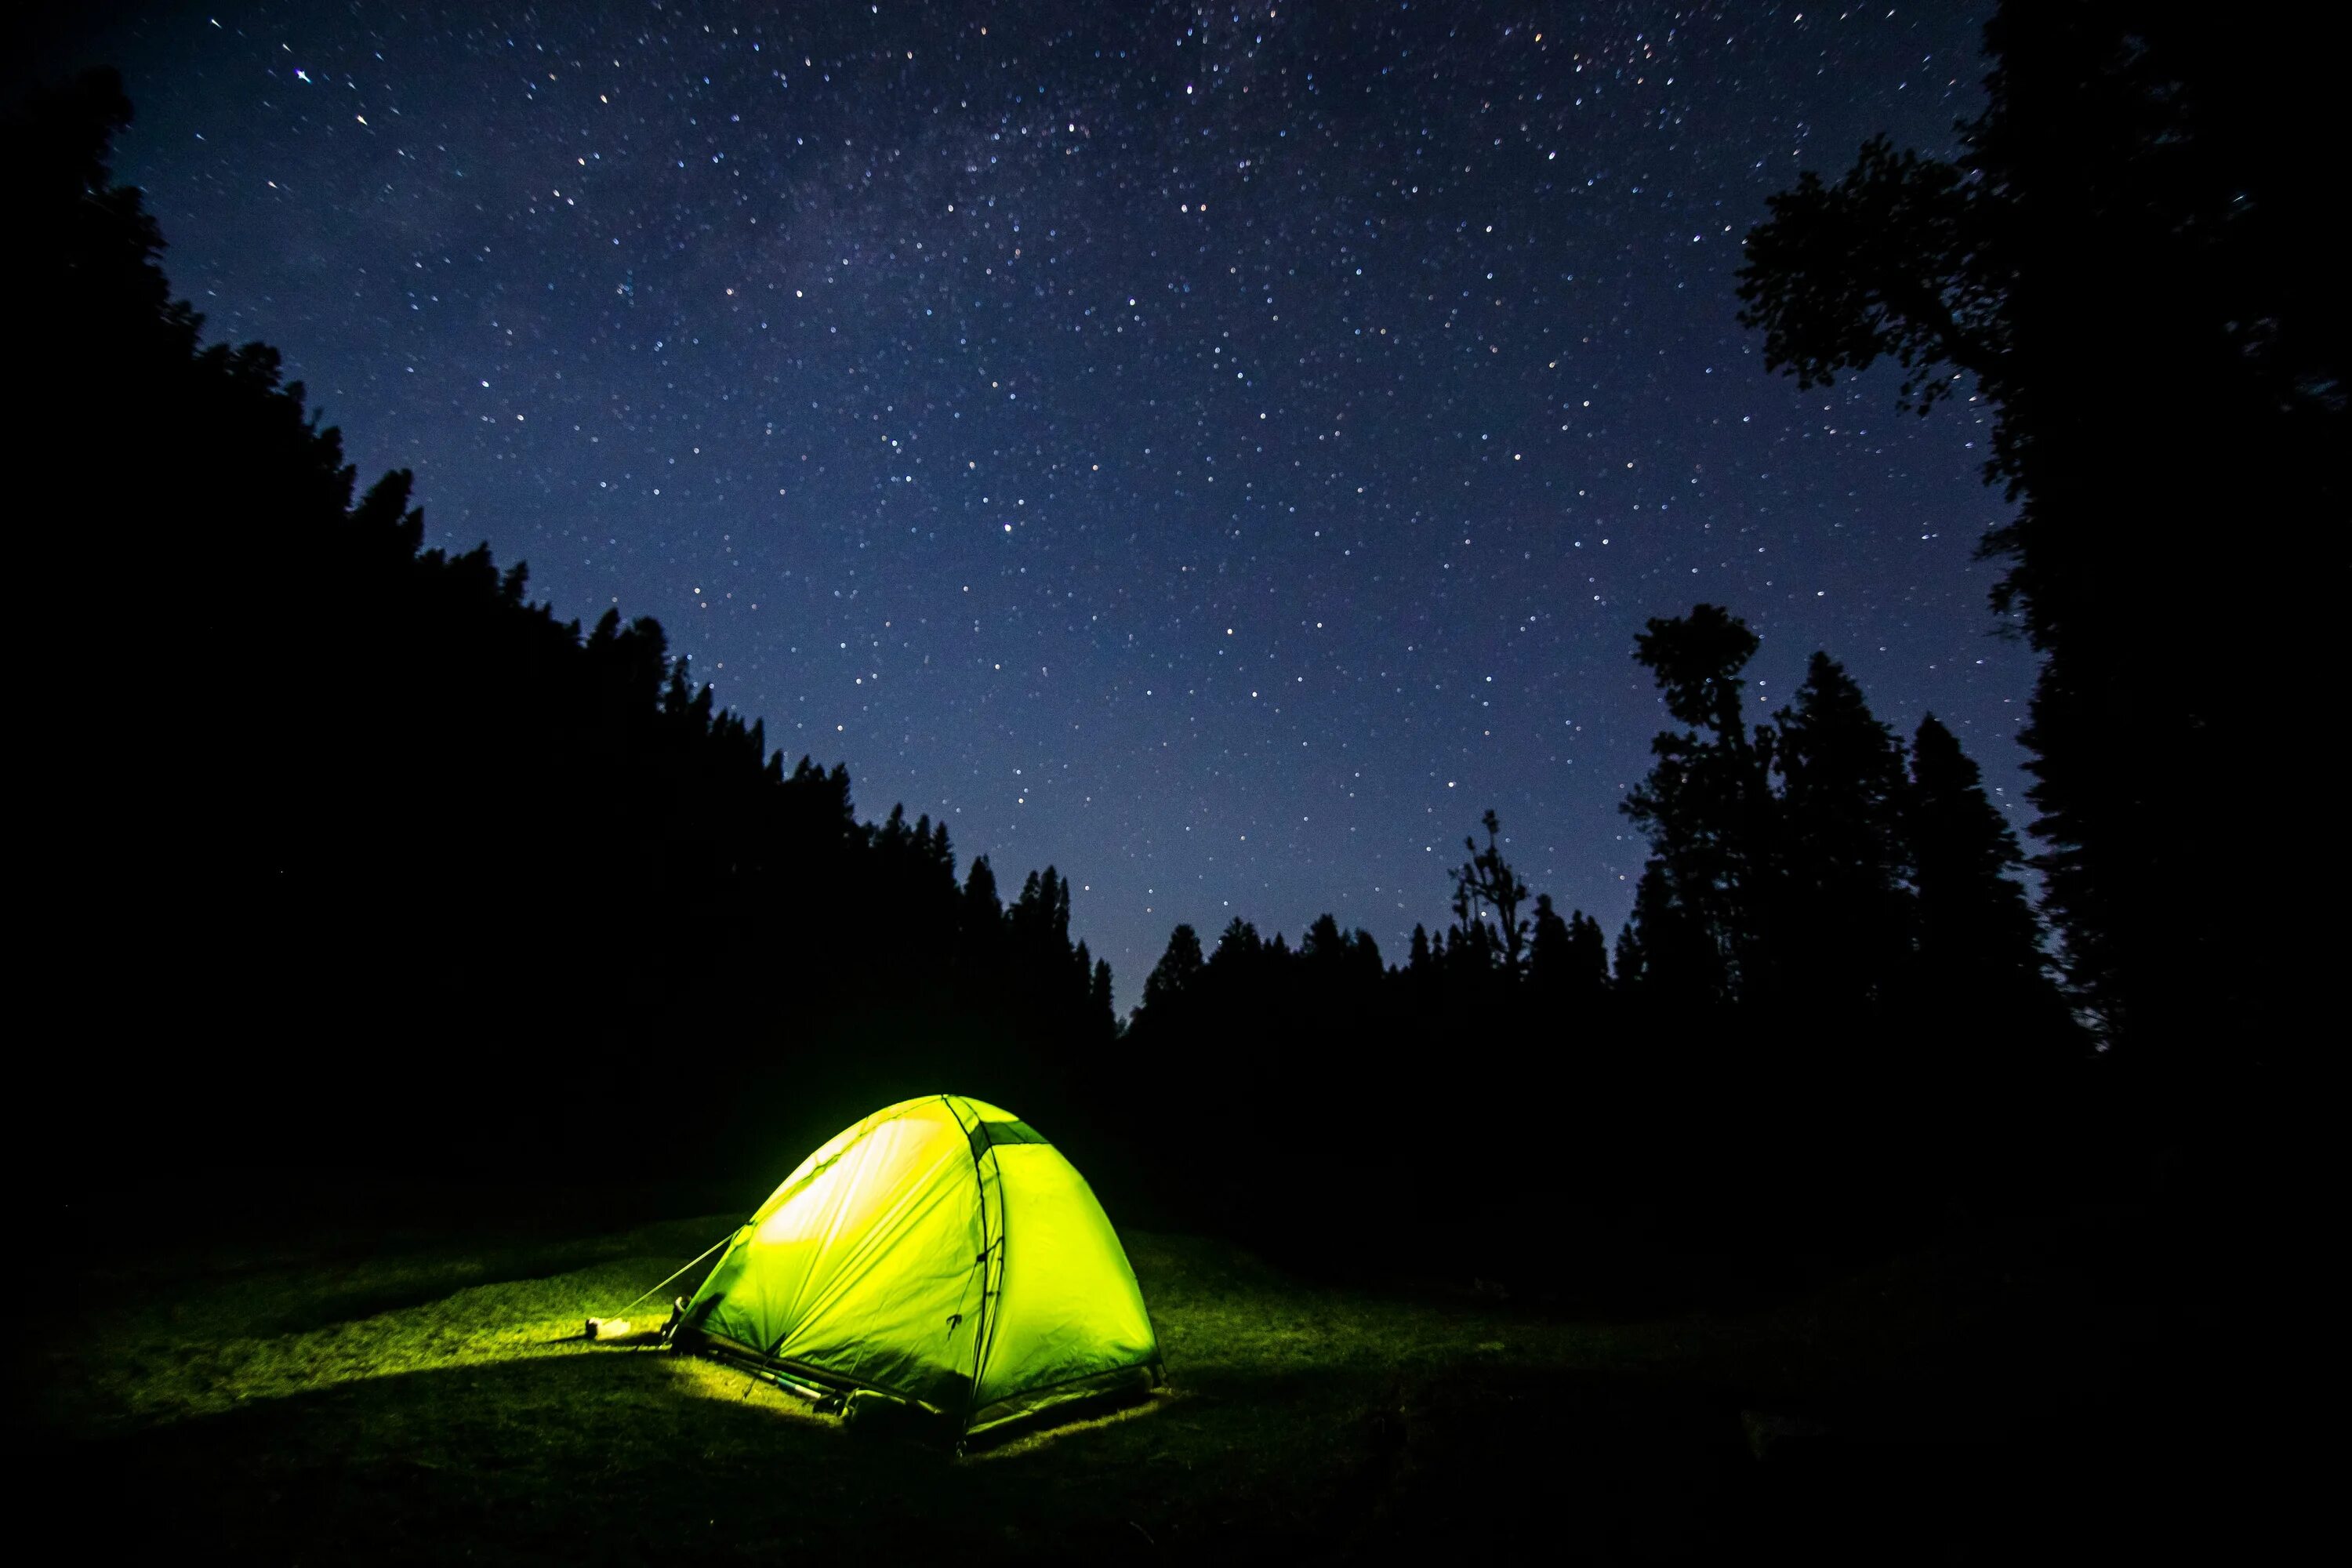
column 941, row 1253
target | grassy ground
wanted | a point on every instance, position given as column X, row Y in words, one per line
column 395, row 1398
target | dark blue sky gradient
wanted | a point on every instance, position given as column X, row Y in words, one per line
column 1218, row 452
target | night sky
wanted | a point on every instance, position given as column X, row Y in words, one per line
column 1218, row 452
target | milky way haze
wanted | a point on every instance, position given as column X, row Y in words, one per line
column 1217, row 452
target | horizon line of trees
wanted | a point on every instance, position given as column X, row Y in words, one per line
column 454, row 875
column 453, row 881
column 1831, row 1016
column 2131, row 265
column 1813, row 861
column 1805, row 863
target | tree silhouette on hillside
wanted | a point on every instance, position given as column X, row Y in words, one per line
column 1829, row 958
column 449, row 868
column 1485, row 883
column 2128, row 263
column 1980, row 944
column 477, row 886
column 1706, row 912
column 1803, row 867
column 1845, row 862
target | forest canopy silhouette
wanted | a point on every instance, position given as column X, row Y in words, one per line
column 421, row 981
column 368, row 860
column 2130, row 262
column 371, row 859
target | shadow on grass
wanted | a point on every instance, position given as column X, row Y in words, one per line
column 617, row 1456
column 627, row 1455
column 301, row 1288
column 1972, row 1406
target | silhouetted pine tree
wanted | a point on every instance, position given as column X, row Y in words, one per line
column 1980, row 946
column 1548, row 947
column 1099, row 995
column 400, row 822
column 1844, row 860
column 1175, row 975
column 1568, row 960
column 1703, row 914
column 1587, row 957
column 979, row 917
column 1239, row 952
column 1666, row 953
column 1486, row 882
column 2131, row 266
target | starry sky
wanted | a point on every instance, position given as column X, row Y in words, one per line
column 1216, row 451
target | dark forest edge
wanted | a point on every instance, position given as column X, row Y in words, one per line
column 363, row 862
column 2129, row 264
column 373, row 861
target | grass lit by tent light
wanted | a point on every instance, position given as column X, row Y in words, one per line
column 387, row 1402
column 277, row 1332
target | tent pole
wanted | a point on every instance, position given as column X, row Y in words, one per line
column 987, row 1245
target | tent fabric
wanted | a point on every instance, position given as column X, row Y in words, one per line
column 941, row 1252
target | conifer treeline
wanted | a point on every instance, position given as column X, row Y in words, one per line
column 353, row 849
column 2131, row 268
column 358, row 855
column 1831, row 1008
column 1810, row 864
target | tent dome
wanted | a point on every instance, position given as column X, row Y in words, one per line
column 938, row 1252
